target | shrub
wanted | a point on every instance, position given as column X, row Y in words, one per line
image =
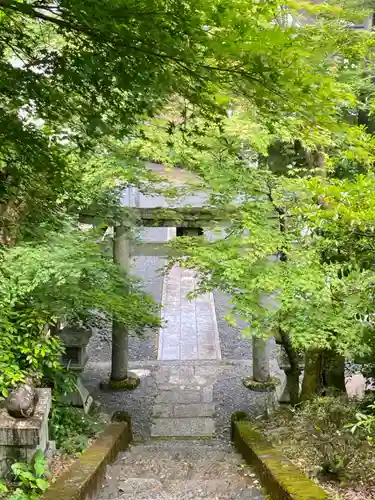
column 316, row 436
column 64, row 276
column 71, row 428
column 28, row 481
column 365, row 423
column 26, row 348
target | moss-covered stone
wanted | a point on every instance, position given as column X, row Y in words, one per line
column 84, row 477
column 254, row 385
column 279, row 476
column 237, row 416
column 127, row 384
column 123, row 416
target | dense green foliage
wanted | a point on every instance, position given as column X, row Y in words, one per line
column 265, row 108
column 65, row 276
column 319, row 439
column 28, row 481
column 71, row 428
column 296, row 256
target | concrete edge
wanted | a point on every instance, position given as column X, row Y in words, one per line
column 82, row 481
column 171, row 233
column 282, row 479
column 216, row 328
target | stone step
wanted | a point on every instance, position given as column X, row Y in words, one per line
column 179, row 470
column 170, row 471
column 211, row 456
column 212, row 460
column 213, row 489
column 174, row 444
column 185, row 449
column 184, row 410
column 172, row 394
column 183, row 427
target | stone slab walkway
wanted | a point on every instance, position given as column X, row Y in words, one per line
column 191, row 330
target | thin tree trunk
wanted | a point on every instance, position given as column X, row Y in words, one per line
column 261, row 359
column 312, row 383
column 324, row 374
column 334, row 373
column 293, row 372
column 120, row 335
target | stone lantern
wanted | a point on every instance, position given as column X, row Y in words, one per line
column 75, row 340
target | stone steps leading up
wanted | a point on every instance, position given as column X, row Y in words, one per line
column 179, row 470
column 184, row 405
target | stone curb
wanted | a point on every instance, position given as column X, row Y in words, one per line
column 83, row 479
column 281, row 479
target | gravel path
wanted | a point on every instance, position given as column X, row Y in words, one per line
column 148, row 269
column 137, row 403
column 233, row 344
column 231, row 395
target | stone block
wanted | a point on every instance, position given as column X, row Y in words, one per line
column 186, row 371
column 21, row 437
column 207, row 351
column 173, row 341
column 189, row 351
column 178, row 396
column 194, row 410
column 80, row 397
column 207, row 371
column 208, row 394
column 183, row 427
column 162, row 375
column 181, row 371
column 206, row 337
column 163, row 410
column 170, row 353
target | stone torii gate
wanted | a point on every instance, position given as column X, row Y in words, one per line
column 192, row 220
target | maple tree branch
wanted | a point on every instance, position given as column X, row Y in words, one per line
column 29, row 10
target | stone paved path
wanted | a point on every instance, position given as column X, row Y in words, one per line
column 191, row 328
column 179, row 470
column 177, row 396
column 184, row 405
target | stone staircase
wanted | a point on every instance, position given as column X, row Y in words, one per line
column 184, row 405
column 179, row 470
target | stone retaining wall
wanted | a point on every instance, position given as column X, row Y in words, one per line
column 83, row 479
column 281, row 479
column 20, row 438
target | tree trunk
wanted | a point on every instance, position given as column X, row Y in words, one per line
column 324, row 374
column 292, row 384
column 261, row 359
column 293, row 372
column 120, row 336
column 334, row 373
column 312, row 383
